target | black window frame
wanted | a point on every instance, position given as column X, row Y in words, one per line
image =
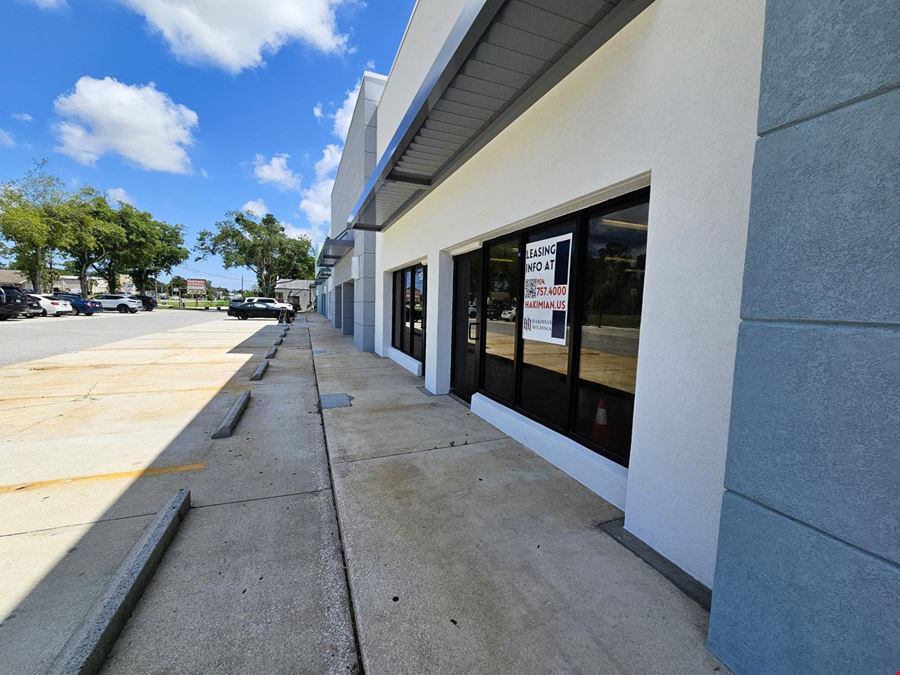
column 402, row 339
column 576, row 309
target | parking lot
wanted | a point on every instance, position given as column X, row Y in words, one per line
column 27, row 339
column 104, row 418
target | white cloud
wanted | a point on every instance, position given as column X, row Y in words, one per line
column 6, row 139
column 276, row 171
column 315, row 233
column 255, row 207
column 316, row 202
column 331, row 158
column 344, row 114
column 370, row 65
column 139, row 122
column 49, row 4
column 119, row 195
column 22, row 117
column 317, row 111
column 234, row 35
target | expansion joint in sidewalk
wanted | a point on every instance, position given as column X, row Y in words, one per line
column 351, row 604
column 421, row 450
column 261, row 499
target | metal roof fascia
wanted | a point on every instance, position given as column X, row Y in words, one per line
column 473, row 20
column 612, row 23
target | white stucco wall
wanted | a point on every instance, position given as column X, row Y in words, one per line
column 671, row 100
column 428, row 28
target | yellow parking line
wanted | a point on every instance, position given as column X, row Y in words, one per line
column 139, row 473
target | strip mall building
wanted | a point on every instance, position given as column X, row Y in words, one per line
column 657, row 242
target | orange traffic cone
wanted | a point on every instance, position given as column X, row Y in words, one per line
column 600, row 432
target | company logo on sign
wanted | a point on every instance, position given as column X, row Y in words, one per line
column 546, row 301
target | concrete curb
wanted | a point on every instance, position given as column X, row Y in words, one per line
column 87, row 648
column 279, row 341
column 258, row 375
column 271, row 353
column 233, row 416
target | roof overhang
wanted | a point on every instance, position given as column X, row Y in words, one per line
column 333, row 250
column 500, row 57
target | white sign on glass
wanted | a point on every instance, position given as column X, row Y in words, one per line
column 546, row 296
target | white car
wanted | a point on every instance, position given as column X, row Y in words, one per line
column 271, row 301
column 120, row 302
column 51, row 306
column 508, row 314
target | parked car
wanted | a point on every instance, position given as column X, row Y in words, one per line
column 79, row 304
column 508, row 314
column 120, row 302
column 50, row 306
column 147, row 301
column 255, row 310
column 33, row 308
column 270, row 301
column 12, row 302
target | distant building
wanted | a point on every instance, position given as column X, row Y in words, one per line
column 13, row 278
column 298, row 292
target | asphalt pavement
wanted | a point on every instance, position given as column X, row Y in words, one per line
column 26, row 339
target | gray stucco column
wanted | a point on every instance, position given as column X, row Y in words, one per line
column 808, row 568
column 364, row 292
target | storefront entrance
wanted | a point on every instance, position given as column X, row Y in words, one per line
column 547, row 322
column 465, row 374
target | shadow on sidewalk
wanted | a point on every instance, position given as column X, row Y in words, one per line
column 253, row 581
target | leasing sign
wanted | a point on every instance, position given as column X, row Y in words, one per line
column 546, row 297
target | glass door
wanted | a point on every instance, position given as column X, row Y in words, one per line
column 466, row 324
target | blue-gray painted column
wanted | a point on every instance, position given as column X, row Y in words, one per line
column 364, row 293
column 808, row 569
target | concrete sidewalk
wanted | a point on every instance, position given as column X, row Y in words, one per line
column 254, row 581
column 466, row 552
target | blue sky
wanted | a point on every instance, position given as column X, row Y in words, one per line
column 189, row 108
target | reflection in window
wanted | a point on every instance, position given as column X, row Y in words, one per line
column 409, row 311
column 501, row 300
column 418, row 313
column 610, row 326
column 545, row 366
column 397, row 332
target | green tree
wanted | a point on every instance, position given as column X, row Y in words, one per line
column 179, row 284
column 259, row 245
column 148, row 248
column 26, row 222
column 91, row 232
column 167, row 251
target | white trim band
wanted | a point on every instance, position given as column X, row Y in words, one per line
column 405, row 360
column 596, row 473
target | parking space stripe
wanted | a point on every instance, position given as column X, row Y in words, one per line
column 91, row 478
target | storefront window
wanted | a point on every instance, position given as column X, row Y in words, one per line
column 546, row 323
column 501, row 306
column 610, row 326
column 397, row 330
column 409, row 311
column 418, row 313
